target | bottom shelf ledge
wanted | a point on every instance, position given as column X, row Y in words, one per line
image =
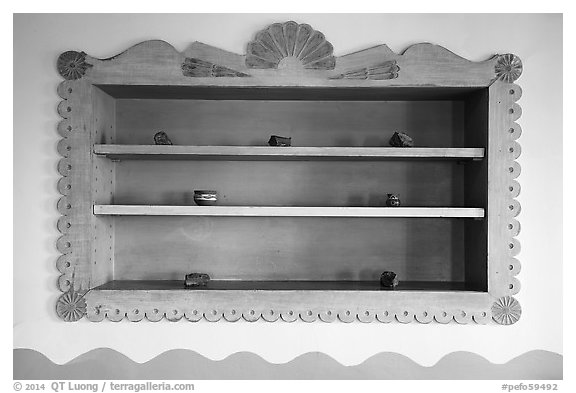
column 308, row 301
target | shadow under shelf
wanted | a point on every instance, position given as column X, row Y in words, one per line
column 248, row 285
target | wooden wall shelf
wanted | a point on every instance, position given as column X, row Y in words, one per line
column 287, row 211
column 130, row 231
column 233, row 153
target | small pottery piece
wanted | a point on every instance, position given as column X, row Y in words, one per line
column 197, row 280
column 389, row 280
column 205, row 197
column 276, row 140
column 393, row 200
column 400, row 139
column 161, row 138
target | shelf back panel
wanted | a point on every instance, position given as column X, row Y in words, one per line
column 274, row 248
column 328, row 123
column 290, row 248
column 293, row 183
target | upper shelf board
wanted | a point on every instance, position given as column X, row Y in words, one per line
column 287, row 211
column 234, row 153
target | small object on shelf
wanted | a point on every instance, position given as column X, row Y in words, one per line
column 389, row 280
column 393, row 200
column 205, row 197
column 161, row 138
column 197, row 280
column 283, row 141
column 399, row 139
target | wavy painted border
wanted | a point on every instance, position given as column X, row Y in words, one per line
column 105, row 363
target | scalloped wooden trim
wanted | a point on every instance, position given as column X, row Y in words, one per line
column 503, row 188
column 269, row 306
column 155, row 314
column 64, row 244
column 513, row 150
column 77, row 262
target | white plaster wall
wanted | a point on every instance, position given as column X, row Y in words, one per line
column 39, row 39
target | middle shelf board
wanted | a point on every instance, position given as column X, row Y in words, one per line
column 235, row 153
column 287, row 211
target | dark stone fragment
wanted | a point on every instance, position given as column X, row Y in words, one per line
column 197, row 280
column 161, row 138
column 388, row 280
column 393, row 200
column 400, row 139
column 276, row 140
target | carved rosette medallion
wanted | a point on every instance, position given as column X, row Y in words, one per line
column 199, row 68
column 506, row 310
column 71, row 306
column 72, row 65
column 292, row 41
column 508, row 68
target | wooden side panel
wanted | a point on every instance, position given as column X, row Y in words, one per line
column 476, row 193
column 75, row 185
column 502, row 189
column 103, row 180
column 87, row 241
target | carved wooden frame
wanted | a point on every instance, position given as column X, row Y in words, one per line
column 281, row 55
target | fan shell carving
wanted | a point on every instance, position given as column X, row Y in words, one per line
column 508, row 68
column 72, row 65
column 290, row 40
column 71, row 306
column 506, row 310
column 381, row 71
